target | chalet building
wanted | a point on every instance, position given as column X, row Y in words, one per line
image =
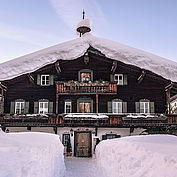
column 85, row 86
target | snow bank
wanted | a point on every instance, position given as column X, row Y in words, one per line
column 31, row 155
column 138, row 156
column 75, row 48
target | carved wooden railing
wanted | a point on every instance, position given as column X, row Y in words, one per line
column 80, row 87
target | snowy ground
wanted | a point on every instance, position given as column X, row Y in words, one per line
column 31, row 155
column 82, row 167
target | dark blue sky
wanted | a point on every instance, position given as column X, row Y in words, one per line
column 29, row 25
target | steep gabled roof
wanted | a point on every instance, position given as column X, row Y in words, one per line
column 75, row 48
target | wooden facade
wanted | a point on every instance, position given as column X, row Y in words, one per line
column 65, row 84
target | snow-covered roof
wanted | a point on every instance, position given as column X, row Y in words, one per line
column 85, row 22
column 75, row 48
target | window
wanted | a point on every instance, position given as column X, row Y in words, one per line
column 45, row 80
column 116, row 107
column 43, row 107
column 85, row 77
column 66, row 139
column 119, row 79
column 19, row 107
column 68, row 107
column 144, row 107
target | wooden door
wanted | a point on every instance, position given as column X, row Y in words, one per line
column 82, row 144
column 85, row 107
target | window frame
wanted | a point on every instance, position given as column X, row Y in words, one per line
column 20, row 107
column 70, row 104
column 144, row 103
column 42, row 109
column 119, row 82
column 119, row 110
column 45, row 79
column 64, row 140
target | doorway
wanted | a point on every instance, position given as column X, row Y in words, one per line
column 85, row 107
column 82, row 144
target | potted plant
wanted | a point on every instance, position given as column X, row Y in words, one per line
column 69, row 148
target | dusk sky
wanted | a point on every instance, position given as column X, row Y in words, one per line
column 30, row 25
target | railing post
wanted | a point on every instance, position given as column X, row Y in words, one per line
column 96, row 103
column 57, row 103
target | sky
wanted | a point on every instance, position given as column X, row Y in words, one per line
column 27, row 26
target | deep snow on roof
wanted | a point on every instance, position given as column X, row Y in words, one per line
column 75, row 48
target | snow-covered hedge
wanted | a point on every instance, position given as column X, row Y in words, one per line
column 139, row 156
column 31, row 155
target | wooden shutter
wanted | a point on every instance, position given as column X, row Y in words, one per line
column 12, row 107
column 125, row 79
column 124, row 107
column 26, row 107
column 38, row 79
column 109, row 106
column 36, row 107
column 111, row 77
column 152, row 107
column 50, row 107
column 51, row 80
column 137, row 106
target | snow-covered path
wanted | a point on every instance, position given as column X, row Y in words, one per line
column 81, row 167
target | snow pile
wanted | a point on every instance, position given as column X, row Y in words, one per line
column 75, row 48
column 139, row 156
column 31, row 155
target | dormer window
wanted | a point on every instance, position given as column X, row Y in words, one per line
column 119, row 79
column 45, row 79
column 85, row 75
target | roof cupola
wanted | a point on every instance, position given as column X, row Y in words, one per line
column 84, row 26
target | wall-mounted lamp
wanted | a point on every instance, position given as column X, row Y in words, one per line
column 71, row 131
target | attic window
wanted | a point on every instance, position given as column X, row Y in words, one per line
column 45, row 79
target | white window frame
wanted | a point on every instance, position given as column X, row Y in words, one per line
column 117, row 107
column 68, row 103
column 44, row 78
column 20, row 108
column 143, row 108
column 43, row 109
column 119, row 81
column 66, row 138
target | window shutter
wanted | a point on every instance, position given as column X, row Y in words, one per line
column 104, row 137
column 26, row 107
column 111, row 77
column 125, row 79
column 38, row 79
column 36, row 107
column 109, row 106
column 12, row 107
column 51, row 80
column 124, row 105
column 50, row 107
column 137, row 105
column 152, row 107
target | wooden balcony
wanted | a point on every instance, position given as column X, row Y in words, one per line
column 75, row 87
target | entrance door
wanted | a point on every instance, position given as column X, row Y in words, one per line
column 85, row 107
column 82, row 144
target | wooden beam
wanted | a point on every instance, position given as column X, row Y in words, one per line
column 2, row 100
column 114, row 66
column 31, row 78
column 57, row 67
column 169, row 87
column 141, row 77
column 86, row 58
column 3, row 86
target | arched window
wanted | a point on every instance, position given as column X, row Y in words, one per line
column 144, row 106
column 117, row 106
column 43, row 106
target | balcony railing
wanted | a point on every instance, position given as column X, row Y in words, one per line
column 96, row 87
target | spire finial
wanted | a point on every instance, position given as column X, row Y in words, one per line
column 83, row 14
